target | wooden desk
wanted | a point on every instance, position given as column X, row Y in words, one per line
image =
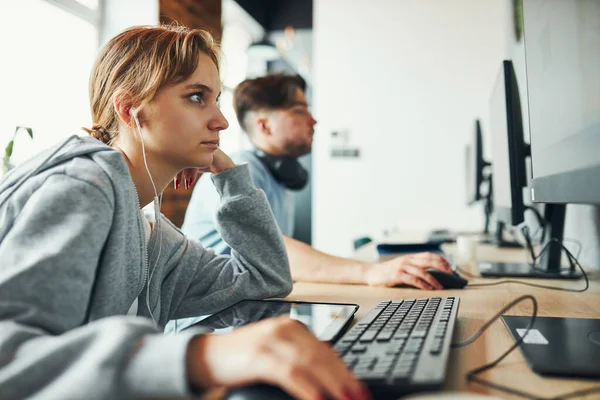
column 477, row 305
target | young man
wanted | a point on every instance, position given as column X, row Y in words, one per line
column 273, row 111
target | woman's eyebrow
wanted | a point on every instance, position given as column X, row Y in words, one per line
column 199, row 86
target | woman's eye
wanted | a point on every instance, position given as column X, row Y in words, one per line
column 196, row 97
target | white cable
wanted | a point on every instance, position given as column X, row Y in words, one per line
column 133, row 113
column 157, row 204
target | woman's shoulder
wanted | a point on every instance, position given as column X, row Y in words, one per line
column 76, row 159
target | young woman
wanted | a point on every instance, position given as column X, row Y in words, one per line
column 87, row 282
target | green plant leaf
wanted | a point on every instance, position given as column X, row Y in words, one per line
column 29, row 130
column 9, row 149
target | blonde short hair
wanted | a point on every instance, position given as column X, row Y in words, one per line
column 139, row 61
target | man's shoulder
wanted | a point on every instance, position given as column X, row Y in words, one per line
column 244, row 156
column 241, row 157
column 260, row 174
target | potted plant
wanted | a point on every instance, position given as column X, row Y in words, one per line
column 8, row 151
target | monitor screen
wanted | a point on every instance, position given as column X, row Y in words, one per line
column 562, row 48
column 508, row 147
column 475, row 165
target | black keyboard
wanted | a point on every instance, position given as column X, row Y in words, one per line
column 401, row 346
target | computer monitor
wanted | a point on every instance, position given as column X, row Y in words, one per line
column 508, row 178
column 508, row 147
column 563, row 60
column 479, row 187
column 509, row 152
column 475, row 166
column 478, row 175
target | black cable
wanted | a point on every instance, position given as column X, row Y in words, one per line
column 535, row 257
column 525, row 231
column 540, row 220
column 572, row 260
column 528, row 239
column 472, row 374
column 577, row 242
column 480, row 331
column 503, row 281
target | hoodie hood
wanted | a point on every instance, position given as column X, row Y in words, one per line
column 74, row 146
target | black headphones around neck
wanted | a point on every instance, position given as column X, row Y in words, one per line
column 286, row 170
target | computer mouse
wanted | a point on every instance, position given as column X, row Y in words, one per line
column 448, row 280
column 257, row 392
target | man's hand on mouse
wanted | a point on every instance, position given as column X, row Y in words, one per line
column 410, row 270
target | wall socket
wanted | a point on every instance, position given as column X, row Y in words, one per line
column 345, row 152
column 340, row 145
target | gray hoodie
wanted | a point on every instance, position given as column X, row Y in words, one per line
column 74, row 258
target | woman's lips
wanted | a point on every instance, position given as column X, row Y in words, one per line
column 214, row 144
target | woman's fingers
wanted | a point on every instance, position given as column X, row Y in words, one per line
column 315, row 364
column 277, row 351
column 187, row 177
column 293, row 379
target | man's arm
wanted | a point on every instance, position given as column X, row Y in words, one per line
column 310, row 265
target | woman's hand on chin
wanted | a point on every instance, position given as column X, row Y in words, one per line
column 221, row 163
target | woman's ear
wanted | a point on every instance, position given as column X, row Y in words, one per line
column 124, row 108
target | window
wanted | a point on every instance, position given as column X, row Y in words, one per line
column 49, row 48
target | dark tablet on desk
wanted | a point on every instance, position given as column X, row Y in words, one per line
column 327, row 321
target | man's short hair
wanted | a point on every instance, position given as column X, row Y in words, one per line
column 268, row 93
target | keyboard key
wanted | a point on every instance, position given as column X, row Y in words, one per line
column 368, row 336
column 359, row 348
column 385, row 336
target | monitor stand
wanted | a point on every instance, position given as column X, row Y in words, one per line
column 549, row 266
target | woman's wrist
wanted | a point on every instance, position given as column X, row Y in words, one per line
column 224, row 168
column 197, row 367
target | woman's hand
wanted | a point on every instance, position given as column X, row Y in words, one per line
column 221, row 163
column 408, row 270
column 278, row 351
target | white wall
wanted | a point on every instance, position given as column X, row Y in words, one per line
column 119, row 14
column 47, row 54
column 406, row 79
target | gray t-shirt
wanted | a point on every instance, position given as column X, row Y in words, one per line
column 200, row 220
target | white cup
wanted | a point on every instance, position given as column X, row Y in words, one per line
column 466, row 248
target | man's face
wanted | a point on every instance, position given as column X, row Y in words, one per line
column 292, row 129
